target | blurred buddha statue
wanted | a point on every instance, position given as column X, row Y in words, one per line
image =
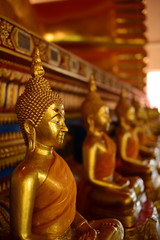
column 43, row 189
column 146, row 137
column 149, row 143
column 110, row 193
column 153, row 119
column 132, row 162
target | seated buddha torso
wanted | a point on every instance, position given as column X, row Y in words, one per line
column 54, row 199
column 105, row 150
column 132, row 143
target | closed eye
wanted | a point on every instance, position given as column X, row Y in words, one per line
column 54, row 121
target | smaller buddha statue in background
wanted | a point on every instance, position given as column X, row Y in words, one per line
column 43, row 189
column 149, row 144
column 110, row 194
column 132, row 162
column 146, row 137
column 153, row 118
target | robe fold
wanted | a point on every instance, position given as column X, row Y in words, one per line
column 55, row 211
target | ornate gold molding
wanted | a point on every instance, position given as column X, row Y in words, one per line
column 56, row 59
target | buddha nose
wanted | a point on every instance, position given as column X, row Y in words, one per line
column 64, row 128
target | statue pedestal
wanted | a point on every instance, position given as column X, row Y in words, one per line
column 147, row 225
column 151, row 180
column 140, row 220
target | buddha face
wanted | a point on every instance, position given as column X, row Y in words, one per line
column 141, row 114
column 130, row 114
column 52, row 128
column 102, row 118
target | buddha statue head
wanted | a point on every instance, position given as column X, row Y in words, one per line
column 95, row 112
column 124, row 110
column 40, row 111
column 140, row 112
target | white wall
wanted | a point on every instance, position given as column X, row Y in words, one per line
column 153, row 34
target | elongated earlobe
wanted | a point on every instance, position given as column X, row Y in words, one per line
column 31, row 134
column 90, row 122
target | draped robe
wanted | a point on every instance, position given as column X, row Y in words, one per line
column 105, row 162
column 54, row 212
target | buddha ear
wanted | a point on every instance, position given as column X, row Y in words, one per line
column 28, row 126
column 89, row 118
column 90, row 122
column 31, row 134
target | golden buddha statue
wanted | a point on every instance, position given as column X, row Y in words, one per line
column 145, row 135
column 43, row 189
column 109, row 194
column 132, row 162
column 153, row 118
column 149, row 143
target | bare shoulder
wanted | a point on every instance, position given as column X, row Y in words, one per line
column 23, row 172
column 127, row 135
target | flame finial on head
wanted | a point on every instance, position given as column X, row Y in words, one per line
column 123, row 93
column 37, row 68
column 136, row 104
column 92, row 84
